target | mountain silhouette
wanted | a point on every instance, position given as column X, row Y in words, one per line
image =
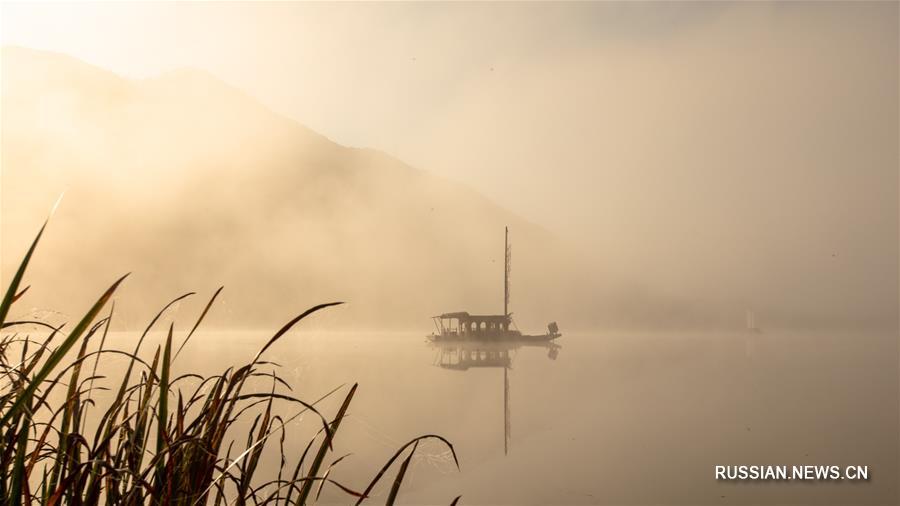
column 190, row 182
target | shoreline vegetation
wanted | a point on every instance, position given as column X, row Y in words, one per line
column 160, row 439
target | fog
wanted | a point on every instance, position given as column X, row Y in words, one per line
column 658, row 165
column 663, row 168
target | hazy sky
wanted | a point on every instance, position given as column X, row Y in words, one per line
column 500, row 96
column 702, row 146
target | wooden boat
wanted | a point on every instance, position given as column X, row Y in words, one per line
column 463, row 326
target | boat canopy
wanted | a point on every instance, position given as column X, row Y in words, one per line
column 464, row 324
column 464, row 316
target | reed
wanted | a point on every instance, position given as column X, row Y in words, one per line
column 159, row 438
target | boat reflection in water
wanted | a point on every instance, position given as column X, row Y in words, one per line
column 465, row 355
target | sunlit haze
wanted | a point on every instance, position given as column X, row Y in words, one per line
column 511, row 253
column 694, row 155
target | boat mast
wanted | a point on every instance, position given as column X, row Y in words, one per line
column 506, row 274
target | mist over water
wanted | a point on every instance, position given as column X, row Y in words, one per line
column 704, row 196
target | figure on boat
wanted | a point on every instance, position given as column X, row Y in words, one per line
column 462, row 326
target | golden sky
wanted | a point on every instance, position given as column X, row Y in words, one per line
column 687, row 142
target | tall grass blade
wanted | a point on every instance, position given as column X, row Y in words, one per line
column 395, row 488
column 60, row 352
column 398, row 453
column 197, row 324
column 323, row 448
column 163, row 408
column 290, row 324
column 19, row 477
column 20, row 294
column 13, row 288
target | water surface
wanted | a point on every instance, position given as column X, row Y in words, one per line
column 607, row 418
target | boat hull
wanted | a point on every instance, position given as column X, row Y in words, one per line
column 493, row 338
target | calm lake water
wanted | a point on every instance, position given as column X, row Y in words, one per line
column 604, row 419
